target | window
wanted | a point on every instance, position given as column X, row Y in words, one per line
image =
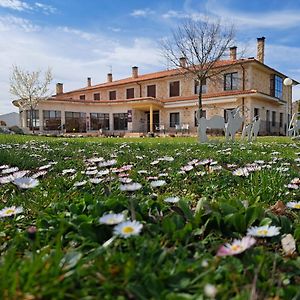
column 112, row 95
column 130, row 93
column 273, row 118
column 195, row 116
column 120, row 121
column 231, row 81
column 82, row 97
column 99, row 121
column 151, row 91
column 75, row 121
column 226, row 112
column 34, row 122
column 256, row 112
column 174, row 119
column 97, row 96
column 280, row 120
column 52, row 119
column 276, row 84
column 197, row 87
column 174, row 88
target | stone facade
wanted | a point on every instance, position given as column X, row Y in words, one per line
column 252, row 89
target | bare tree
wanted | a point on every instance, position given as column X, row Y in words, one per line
column 195, row 48
column 30, row 88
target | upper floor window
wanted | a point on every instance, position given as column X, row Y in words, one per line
column 197, row 86
column 130, row 93
column 174, row 88
column 97, row 96
column 231, row 81
column 112, row 95
column 151, row 90
column 82, row 97
column 276, row 84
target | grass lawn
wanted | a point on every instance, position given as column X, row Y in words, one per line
column 165, row 239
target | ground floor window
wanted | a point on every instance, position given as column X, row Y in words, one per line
column 120, row 121
column 51, row 119
column 273, row 118
column 174, row 119
column 99, row 121
column 280, row 120
column 256, row 112
column 75, row 122
column 195, row 116
column 32, row 119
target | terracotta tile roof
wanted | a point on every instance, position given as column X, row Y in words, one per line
column 156, row 75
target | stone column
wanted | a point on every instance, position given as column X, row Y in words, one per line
column 41, row 120
column 151, row 119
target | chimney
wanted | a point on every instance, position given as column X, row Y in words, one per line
column 135, row 72
column 59, row 88
column 233, row 53
column 261, row 49
column 182, row 61
column 89, row 81
column 109, row 77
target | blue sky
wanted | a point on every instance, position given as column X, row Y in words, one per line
column 78, row 39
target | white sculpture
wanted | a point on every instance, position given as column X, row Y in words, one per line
column 294, row 125
column 251, row 130
column 234, row 123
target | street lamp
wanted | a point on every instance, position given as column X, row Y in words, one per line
column 287, row 82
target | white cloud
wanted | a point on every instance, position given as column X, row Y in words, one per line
column 142, row 12
column 276, row 19
column 10, row 22
column 14, row 4
column 47, row 9
column 75, row 55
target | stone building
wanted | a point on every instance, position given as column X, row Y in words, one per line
column 167, row 100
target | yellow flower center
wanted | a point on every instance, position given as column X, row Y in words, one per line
column 128, row 229
column 262, row 232
column 235, row 247
column 297, row 205
column 9, row 211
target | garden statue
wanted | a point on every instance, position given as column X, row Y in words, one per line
column 251, row 130
column 234, row 123
column 294, row 126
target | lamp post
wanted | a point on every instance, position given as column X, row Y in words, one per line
column 287, row 82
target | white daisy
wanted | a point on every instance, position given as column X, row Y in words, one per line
column 68, row 171
column 294, row 205
column 45, row 167
column 79, row 183
column 26, row 182
column 131, row 187
column 112, row 219
column 39, row 174
column 241, row 172
column 6, row 179
column 187, row 168
column 128, row 228
column 125, row 180
column 172, row 199
column 10, row 170
column 157, row 183
column 10, row 211
column 96, row 180
column 263, row 231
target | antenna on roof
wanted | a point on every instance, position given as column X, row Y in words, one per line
column 110, row 69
